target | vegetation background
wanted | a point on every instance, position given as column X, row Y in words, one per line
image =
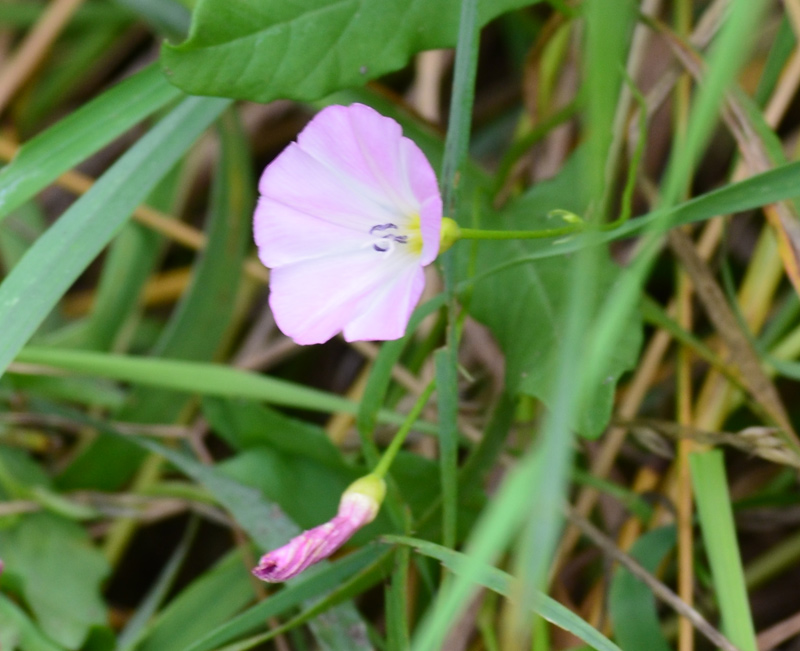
column 610, row 458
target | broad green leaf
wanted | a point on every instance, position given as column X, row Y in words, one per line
column 64, row 596
column 245, row 425
column 267, row 49
column 41, row 160
column 296, row 466
column 18, row 469
column 524, row 305
column 51, row 265
column 17, row 631
column 307, row 491
column 632, row 605
column 502, row 583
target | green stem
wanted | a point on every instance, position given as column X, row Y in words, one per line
column 480, row 234
column 397, row 442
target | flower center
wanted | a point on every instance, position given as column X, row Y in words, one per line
column 389, row 234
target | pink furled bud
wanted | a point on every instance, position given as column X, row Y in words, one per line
column 359, row 505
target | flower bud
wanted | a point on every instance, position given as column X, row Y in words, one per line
column 450, row 234
column 359, row 505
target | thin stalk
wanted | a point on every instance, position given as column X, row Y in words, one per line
column 480, row 234
column 397, row 442
column 685, row 506
column 685, row 447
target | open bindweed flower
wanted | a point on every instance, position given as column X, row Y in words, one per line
column 347, row 218
column 359, row 505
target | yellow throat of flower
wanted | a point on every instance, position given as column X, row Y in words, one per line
column 414, row 234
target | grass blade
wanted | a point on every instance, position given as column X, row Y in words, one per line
column 719, row 533
column 56, row 260
column 41, row 160
column 502, row 583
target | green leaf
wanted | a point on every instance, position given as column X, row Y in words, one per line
column 191, row 377
column 245, row 425
column 17, row 631
column 502, row 583
column 18, row 232
column 284, row 458
column 728, row 53
column 198, row 377
column 78, row 54
column 167, row 16
column 447, row 393
column 213, row 598
column 128, row 263
column 631, row 603
column 197, row 326
column 81, row 390
column 41, row 160
column 269, row 528
column 310, row 584
column 64, row 596
column 136, row 626
column 710, row 487
column 267, row 49
column 57, row 258
column 305, row 490
column 22, row 13
column 397, row 600
column 524, row 305
column 380, row 377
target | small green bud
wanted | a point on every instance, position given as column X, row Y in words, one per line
column 566, row 215
column 450, row 234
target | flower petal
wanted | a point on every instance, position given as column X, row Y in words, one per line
column 306, row 549
column 314, row 299
column 285, row 235
column 430, row 225
column 386, row 314
column 298, row 179
column 359, row 506
column 365, row 146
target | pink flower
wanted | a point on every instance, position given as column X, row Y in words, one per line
column 359, row 505
column 348, row 217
